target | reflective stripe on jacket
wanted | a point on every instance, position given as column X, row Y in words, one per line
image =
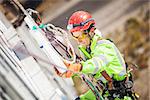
column 104, row 56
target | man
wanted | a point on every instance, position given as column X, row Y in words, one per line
column 103, row 60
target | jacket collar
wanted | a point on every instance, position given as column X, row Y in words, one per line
column 96, row 37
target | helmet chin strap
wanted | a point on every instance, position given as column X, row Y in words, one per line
column 90, row 33
column 90, row 36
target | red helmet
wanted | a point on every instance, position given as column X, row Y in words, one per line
column 80, row 21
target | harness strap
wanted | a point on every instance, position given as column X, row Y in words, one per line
column 108, row 78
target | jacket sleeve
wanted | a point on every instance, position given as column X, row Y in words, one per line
column 91, row 66
column 99, row 59
column 104, row 58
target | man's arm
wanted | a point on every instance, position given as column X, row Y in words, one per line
column 92, row 65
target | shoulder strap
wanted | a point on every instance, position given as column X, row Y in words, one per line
column 108, row 78
column 110, row 40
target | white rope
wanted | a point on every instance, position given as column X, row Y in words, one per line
column 63, row 33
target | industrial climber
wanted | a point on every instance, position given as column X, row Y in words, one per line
column 103, row 60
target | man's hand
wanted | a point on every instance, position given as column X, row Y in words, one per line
column 72, row 68
column 66, row 74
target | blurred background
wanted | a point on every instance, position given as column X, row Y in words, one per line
column 125, row 22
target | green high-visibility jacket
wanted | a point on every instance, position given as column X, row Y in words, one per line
column 104, row 55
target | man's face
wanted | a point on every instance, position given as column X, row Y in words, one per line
column 82, row 37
